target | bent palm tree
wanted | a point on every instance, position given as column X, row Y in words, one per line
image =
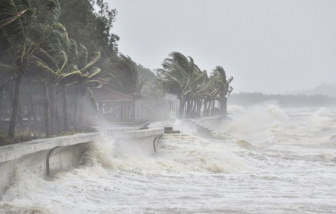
column 82, row 75
column 50, row 62
column 123, row 74
column 224, row 89
column 177, row 75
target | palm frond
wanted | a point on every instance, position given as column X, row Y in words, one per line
column 73, row 51
column 45, row 70
column 94, row 60
column 82, row 57
column 69, row 77
column 13, row 17
column 63, row 59
column 95, row 72
column 44, row 56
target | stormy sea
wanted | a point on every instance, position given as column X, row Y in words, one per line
column 263, row 159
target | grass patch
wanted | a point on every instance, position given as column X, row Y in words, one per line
column 22, row 135
column 72, row 132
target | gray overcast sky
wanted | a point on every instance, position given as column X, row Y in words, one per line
column 272, row 46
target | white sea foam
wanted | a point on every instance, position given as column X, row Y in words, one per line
column 281, row 162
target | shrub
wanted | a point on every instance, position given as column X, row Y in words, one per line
column 4, row 140
column 22, row 135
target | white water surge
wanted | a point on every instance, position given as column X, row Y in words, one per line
column 272, row 161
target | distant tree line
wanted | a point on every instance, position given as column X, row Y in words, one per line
column 248, row 99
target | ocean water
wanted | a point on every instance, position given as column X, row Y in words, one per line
column 264, row 160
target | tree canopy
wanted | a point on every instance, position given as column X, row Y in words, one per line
column 62, row 46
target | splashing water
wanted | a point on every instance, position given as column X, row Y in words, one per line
column 275, row 161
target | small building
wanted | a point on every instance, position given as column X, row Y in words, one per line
column 114, row 106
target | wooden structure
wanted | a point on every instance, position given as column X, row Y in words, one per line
column 114, row 106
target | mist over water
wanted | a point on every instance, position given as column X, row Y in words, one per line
column 271, row 160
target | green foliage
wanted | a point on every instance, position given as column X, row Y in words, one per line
column 219, row 77
column 177, row 74
column 180, row 76
column 4, row 140
column 122, row 73
column 145, row 74
column 72, row 132
column 93, row 29
column 25, row 24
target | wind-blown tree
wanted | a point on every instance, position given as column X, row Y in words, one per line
column 122, row 73
column 180, row 76
column 210, row 97
column 178, row 73
column 199, row 89
column 223, row 84
column 70, row 47
column 81, row 76
column 146, row 74
column 90, row 22
column 25, row 24
column 50, row 61
column 6, row 78
column 6, row 72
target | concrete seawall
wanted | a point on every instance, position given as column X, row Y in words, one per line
column 136, row 142
column 47, row 156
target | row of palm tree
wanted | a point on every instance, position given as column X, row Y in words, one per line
column 24, row 29
column 196, row 90
column 37, row 47
column 40, row 54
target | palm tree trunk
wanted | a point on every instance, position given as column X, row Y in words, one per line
column 209, row 108
column 1, row 98
column 15, row 107
column 81, row 108
column 19, row 116
column 47, row 112
column 223, row 106
column 75, row 113
column 189, row 107
column 133, row 111
column 52, row 109
column 65, row 109
column 58, row 130
column 212, row 107
column 199, row 106
column 181, row 110
column 206, row 108
column 32, row 110
column 192, row 108
column 29, row 109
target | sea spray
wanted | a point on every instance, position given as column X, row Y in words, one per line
column 258, row 122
